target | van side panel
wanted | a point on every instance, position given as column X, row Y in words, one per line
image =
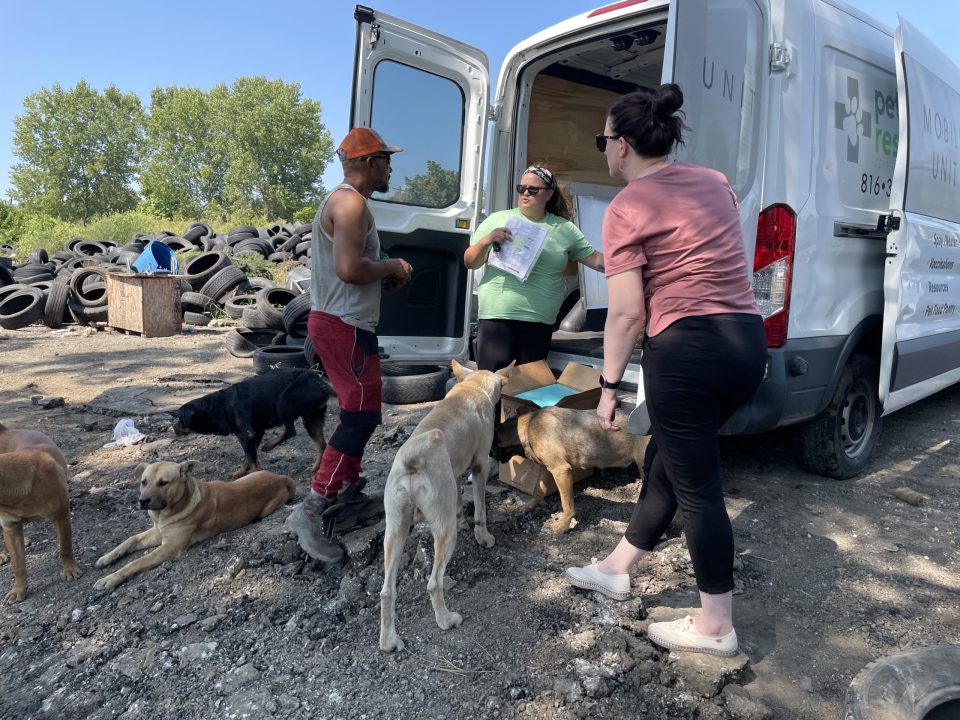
column 846, row 73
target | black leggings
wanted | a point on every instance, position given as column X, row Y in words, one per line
column 696, row 373
column 500, row 341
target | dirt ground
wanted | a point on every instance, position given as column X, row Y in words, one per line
column 830, row 575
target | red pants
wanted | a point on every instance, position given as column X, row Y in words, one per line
column 351, row 359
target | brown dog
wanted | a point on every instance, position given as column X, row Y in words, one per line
column 33, row 486
column 563, row 440
column 185, row 511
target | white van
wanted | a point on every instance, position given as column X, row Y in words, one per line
column 840, row 136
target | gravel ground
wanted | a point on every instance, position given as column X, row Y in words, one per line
column 830, row 575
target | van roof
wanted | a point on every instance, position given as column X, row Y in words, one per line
column 620, row 8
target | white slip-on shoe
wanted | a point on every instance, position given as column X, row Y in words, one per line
column 682, row 635
column 616, row 587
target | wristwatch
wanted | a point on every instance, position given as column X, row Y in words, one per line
column 607, row 385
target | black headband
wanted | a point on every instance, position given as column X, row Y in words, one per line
column 542, row 173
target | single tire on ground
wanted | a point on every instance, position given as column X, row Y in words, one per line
column 223, row 282
column 197, row 302
column 22, row 309
column 84, row 315
column 198, row 270
column 407, row 384
column 199, row 319
column 235, row 306
column 241, row 342
column 55, row 307
column 93, row 294
column 295, row 315
column 278, row 356
column 909, row 684
column 251, row 319
column 271, row 304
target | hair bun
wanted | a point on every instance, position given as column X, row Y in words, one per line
column 667, row 99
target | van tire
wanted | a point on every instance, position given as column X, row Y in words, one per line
column 839, row 441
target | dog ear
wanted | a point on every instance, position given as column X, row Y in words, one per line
column 459, row 371
column 140, row 469
column 186, row 467
column 504, row 373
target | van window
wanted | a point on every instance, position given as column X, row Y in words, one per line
column 719, row 66
column 424, row 114
column 932, row 176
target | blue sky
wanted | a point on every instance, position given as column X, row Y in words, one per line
column 140, row 45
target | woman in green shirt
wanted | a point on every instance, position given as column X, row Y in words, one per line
column 517, row 316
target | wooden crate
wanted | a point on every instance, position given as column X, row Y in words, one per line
column 144, row 304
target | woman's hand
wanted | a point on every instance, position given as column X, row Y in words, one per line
column 497, row 237
column 606, row 410
column 476, row 255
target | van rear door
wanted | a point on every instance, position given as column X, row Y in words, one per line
column 921, row 313
column 427, row 94
column 718, row 56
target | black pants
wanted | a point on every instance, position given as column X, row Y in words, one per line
column 500, row 341
column 696, row 373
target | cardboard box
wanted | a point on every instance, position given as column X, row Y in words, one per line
column 145, row 304
column 519, row 472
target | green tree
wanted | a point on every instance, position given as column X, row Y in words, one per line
column 78, row 151
column 437, row 187
column 276, row 146
column 184, row 163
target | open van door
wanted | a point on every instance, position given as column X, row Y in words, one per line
column 427, row 94
column 718, row 54
column 921, row 313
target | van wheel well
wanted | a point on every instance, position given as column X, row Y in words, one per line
column 839, row 441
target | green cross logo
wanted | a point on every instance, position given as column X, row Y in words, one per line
column 852, row 119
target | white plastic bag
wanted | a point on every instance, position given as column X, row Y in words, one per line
column 124, row 434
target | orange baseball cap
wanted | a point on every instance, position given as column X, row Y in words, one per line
column 361, row 142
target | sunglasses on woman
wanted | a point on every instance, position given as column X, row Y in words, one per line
column 530, row 189
column 602, row 140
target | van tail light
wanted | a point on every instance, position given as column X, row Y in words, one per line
column 773, row 269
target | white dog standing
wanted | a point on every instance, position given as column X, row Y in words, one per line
column 455, row 436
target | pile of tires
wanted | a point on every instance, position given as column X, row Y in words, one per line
column 69, row 286
column 274, row 332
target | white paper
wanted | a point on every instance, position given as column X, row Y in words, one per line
column 518, row 256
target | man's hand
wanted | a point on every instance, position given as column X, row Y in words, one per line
column 400, row 276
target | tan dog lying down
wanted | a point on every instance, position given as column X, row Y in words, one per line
column 563, row 440
column 185, row 510
column 33, row 486
column 453, row 437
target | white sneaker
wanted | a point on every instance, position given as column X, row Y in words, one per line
column 616, row 587
column 682, row 635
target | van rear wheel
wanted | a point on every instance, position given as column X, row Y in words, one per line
column 839, row 441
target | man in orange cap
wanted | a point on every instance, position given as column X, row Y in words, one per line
column 348, row 274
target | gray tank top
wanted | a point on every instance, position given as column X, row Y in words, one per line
column 357, row 305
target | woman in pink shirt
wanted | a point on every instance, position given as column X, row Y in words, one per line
column 677, row 274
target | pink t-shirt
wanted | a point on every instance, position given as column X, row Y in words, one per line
column 681, row 224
